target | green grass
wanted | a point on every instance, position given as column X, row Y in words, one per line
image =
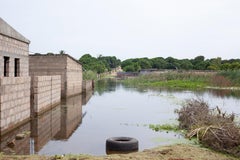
column 182, row 80
column 164, row 127
column 177, row 84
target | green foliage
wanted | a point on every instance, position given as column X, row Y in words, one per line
column 164, row 127
column 159, row 63
column 89, row 75
column 215, row 64
column 180, row 80
column 109, row 61
column 106, row 63
column 100, row 64
column 232, row 75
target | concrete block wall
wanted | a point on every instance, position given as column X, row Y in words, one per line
column 14, row 102
column 48, row 65
column 46, row 92
column 13, row 48
column 87, row 85
column 74, row 77
column 61, row 64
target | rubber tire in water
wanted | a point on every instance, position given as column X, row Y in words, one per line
column 124, row 144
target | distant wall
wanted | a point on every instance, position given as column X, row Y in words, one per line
column 48, row 65
column 73, row 77
column 87, row 85
column 60, row 64
column 46, row 92
column 14, row 102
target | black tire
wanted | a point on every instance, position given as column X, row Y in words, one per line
column 122, row 144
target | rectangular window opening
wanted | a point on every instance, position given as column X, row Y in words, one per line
column 6, row 66
column 16, row 67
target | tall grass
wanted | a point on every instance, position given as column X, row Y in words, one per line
column 190, row 80
column 232, row 75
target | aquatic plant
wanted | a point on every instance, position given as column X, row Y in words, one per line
column 164, row 127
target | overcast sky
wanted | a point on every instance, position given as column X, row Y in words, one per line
column 128, row 28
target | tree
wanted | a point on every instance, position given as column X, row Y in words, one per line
column 92, row 63
column 62, row 52
column 215, row 63
column 144, row 63
column 185, row 64
column 159, row 63
column 110, row 62
column 172, row 63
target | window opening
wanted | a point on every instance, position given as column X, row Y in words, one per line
column 16, row 67
column 6, row 66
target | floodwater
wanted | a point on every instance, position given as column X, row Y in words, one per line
column 81, row 124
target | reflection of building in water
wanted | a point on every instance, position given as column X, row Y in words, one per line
column 86, row 96
column 17, row 141
column 45, row 126
column 58, row 123
column 71, row 116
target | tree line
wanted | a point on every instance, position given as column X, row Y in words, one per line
column 106, row 63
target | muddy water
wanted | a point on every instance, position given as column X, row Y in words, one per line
column 81, row 124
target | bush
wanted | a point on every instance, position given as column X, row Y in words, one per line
column 89, row 75
column 213, row 128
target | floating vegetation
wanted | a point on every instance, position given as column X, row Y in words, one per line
column 164, row 127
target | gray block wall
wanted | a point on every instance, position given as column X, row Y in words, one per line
column 14, row 101
column 60, row 64
column 45, row 93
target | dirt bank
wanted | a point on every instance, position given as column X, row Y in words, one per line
column 174, row 152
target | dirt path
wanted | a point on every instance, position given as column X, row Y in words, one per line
column 174, row 152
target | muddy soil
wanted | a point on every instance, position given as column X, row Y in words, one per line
column 174, row 152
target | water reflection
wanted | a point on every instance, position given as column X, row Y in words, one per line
column 58, row 123
column 10, row 144
column 114, row 110
column 45, row 127
column 71, row 117
column 86, row 97
column 106, row 85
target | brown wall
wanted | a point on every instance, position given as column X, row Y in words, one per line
column 87, row 85
column 69, row 69
column 73, row 77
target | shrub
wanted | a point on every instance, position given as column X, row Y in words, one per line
column 213, row 128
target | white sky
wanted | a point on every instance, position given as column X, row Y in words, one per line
column 128, row 28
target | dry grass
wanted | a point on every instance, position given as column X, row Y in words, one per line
column 212, row 128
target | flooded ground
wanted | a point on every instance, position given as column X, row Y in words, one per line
column 82, row 124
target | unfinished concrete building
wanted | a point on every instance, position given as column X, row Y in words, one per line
column 58, row 64
column 14, row 78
